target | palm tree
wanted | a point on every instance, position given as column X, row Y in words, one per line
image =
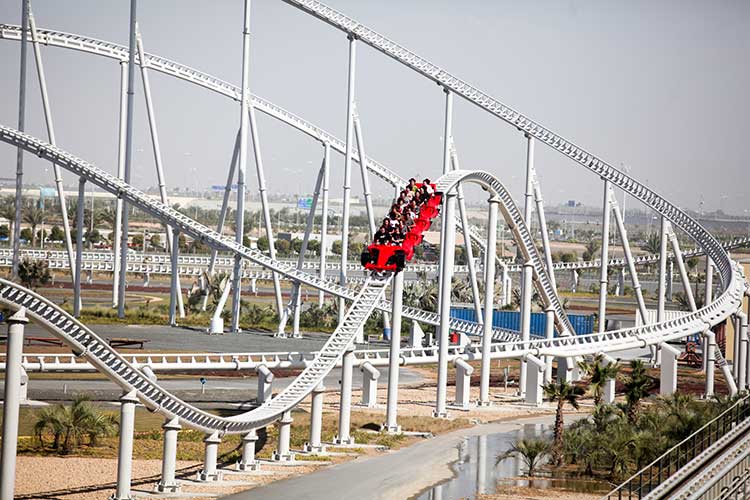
column 562, row 392
column 70, row 424
column 636, row 388
column 532, row 451
column 8, row 211
column 33, row 215
column 599, row 373
column 652, row 244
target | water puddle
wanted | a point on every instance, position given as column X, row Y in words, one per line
column 476, row 472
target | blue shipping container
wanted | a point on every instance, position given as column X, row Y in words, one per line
column 582, row 323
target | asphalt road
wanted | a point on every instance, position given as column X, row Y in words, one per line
column 400, row 474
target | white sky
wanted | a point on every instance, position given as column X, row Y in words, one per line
column 659, row 85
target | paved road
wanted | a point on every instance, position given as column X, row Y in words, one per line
column 396, row 475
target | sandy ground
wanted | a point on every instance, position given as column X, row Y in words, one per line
column 518, row 493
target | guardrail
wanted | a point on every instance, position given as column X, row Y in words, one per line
column 647, row 479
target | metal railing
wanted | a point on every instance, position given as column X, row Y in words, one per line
column 647, row 479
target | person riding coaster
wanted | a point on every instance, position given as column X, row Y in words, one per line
column 394, row 242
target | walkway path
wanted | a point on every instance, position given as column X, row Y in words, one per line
column 396, row 475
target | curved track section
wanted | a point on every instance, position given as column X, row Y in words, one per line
column 186, row 225
column 108, row 361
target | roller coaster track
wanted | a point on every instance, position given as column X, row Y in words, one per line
column 107, row 360
column 732, row 285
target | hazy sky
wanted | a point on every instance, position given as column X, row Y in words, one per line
column 659, row 85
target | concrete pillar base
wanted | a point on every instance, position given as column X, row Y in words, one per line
column 463, row 383
column 206, row 477
column 251, row 466
column 393, row 429
column 282, row 457
column 317, row 450
column 346, row 442
column 439, row 414
column 167, row 488
column 485, row 404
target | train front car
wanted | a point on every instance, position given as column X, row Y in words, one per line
column 402, row 230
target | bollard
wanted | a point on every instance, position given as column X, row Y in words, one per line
column 11, row 405
column 248, row 462
column 265, row 383
column 282, row 454
column 463, row 383
column 168, row 484
column 316, row 421
column 370, row 376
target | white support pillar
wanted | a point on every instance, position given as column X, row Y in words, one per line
column 549, row 334
column 565, row 369
column 464, row 216
column 603, row 277
column 128, row 161
column 628, row 256
column 209, row 472
column 661, row 290
column 79, row 248
column 263, row 192
column 709, row 340
column 25, row 9
column 527, row 273
column 574, row 280
column 347, row 169
column 223, row 210
column 681, row 266
column 737, row 324
column 416, row 335
column 668, row 369
column 324, row 218
column 52, row 140
column 168, row 484
column 217, row 322
column 151, row 115
column 507, row 285
column 125, row 449
column 248, row 461
column 265, row 384
column 489, row 301
column 463, row 383
column 370, row 376
column 345, row 406
column 174, row 284
column 394, row 355
column 242, row 169
column 117, row 233
column 283, row 453
column 534, row 380
column 447, row 249
column 742, row 355
column 315, row 445
column 11, row 403
column 670, row 279
column 24, row 393
column 363, row 171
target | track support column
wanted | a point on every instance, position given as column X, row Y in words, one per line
column 174, row 286
column 603, row 278
column 248, row 462
column 709, row 340
column 528, row 272
column 316, row 421
column 489, row 301
column 394, row 360
column 79, row 248
column 168, row 484
column 345, row 407
column 668, row 369
column 11, row 403
column 209, row 472
column 324, row 218
column 282, row 453
column 534, row 380
column 447, row 249
column 125, row 450
column 742, row 357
